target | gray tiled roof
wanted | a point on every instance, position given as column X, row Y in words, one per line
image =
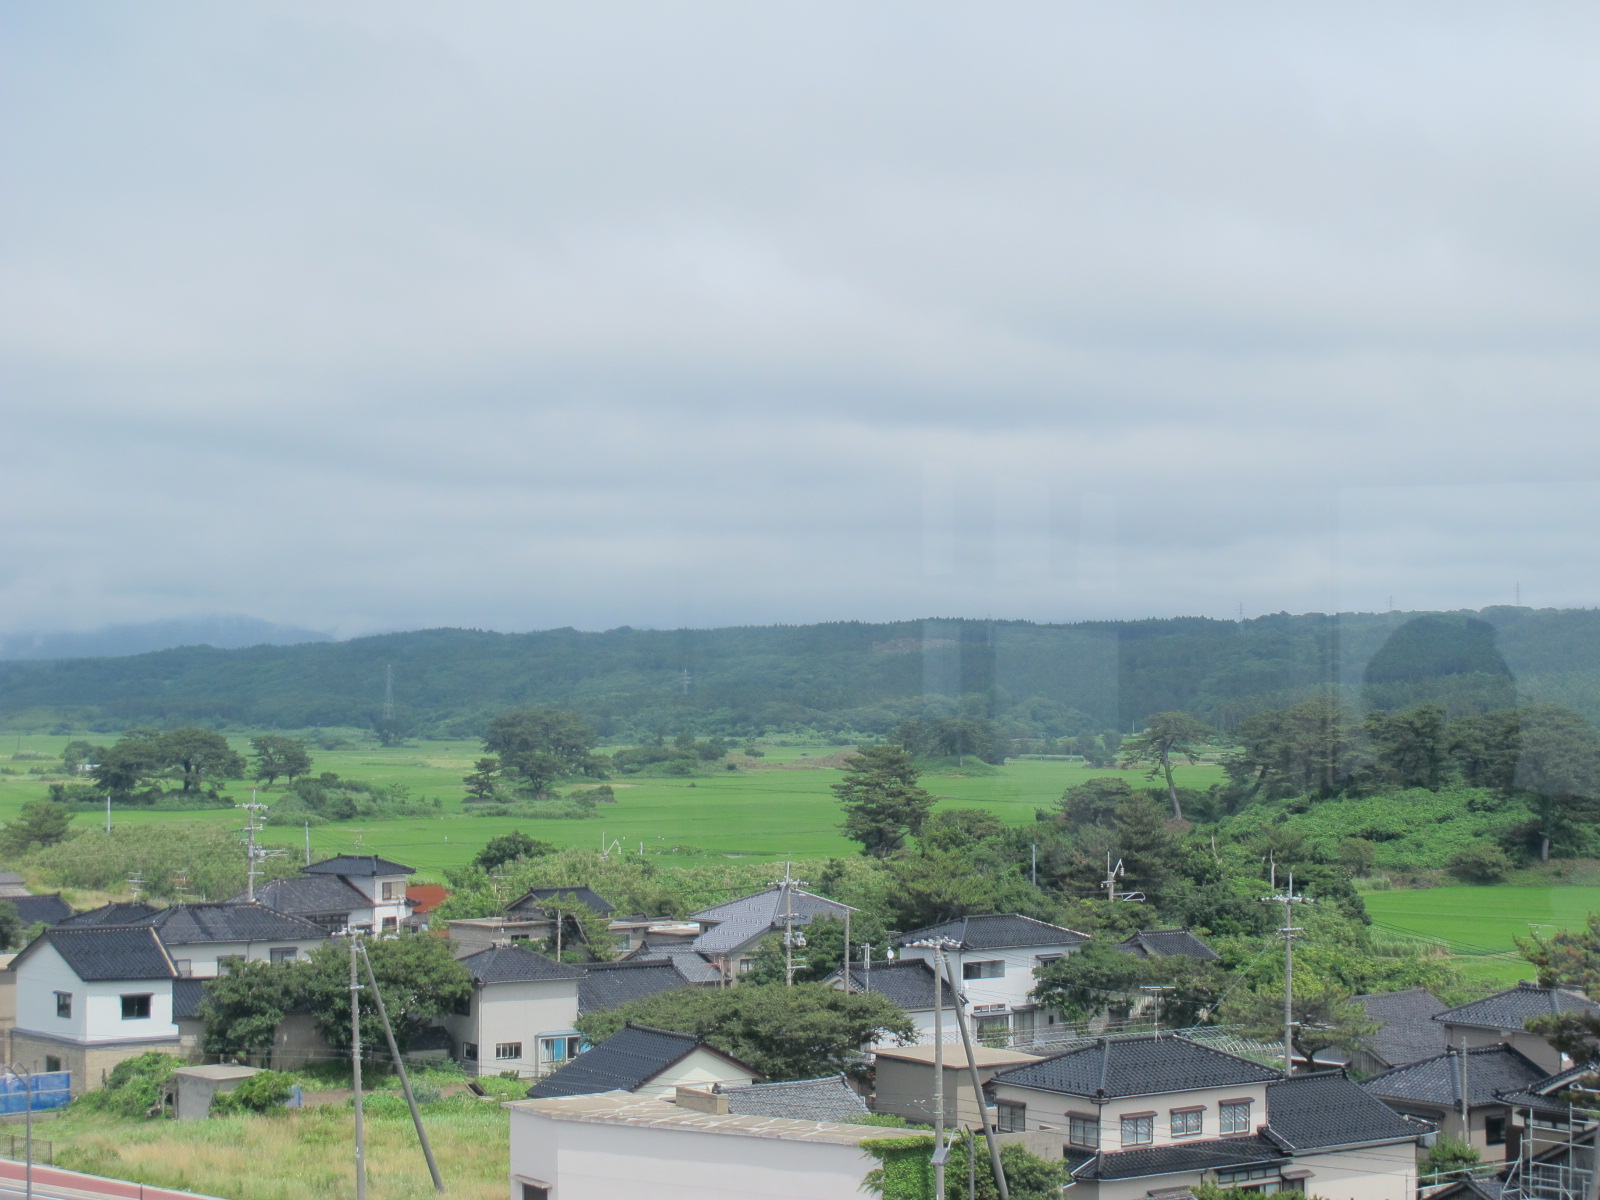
column 1437, row 1080
column 1542, row 1095
column 186, row 997
column 996, row 931
column 363, row 865
column 514, row 964
column 1165, row 943
column 690, row 965
column 769, row 908
column 1308, row 1112
column 110, row 914
column 1515, row 1007
column 628, row 1059
column 311, row 895
column 729, row 936
column 605, row 986
column 827, row 1099
column 1408, row 1033
column 111, row 953
column 1143, row 1065
column 51, row 909
column 583, row 894
column 906, row 981
column 191, row 924
column 1209, row 1155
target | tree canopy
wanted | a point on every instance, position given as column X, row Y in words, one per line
column 538, row 746
column 882, row 800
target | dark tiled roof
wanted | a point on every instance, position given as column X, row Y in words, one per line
column 827, row 1099
column 1164, row 943
column 191, row 924
column 771, row 909
column 690, row 965
column 1515, row 1007
column 584, row 895
column 1437, row 1080
column 628, row 1059
column 997, row 931
column 1144, row 1065
column 110, row 953
column 513, row 964
column 186, row 997
column 311, row 895
column 1543, row 1094
column 1408, row 1033
column 111, row 914
column 906, row 981
column 1309, row 1112
column 50, row 909
column 604, row 986
column 1209, row 1155
column 358, row 864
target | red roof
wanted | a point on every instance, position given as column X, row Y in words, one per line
column 426, row 897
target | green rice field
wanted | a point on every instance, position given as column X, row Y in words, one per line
column 763, row 811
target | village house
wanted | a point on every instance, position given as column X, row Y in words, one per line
column 1165, row 943
column 1406, row 1033
column 520, row 1016
column 1503, row 1019
column 995, row 957
column 731, row 933
column 646, row 1062
column 903, row 1081
column 1460, row 1091
column 909, row 983
column 1146, row 1114
column 202, row 938
column 349, row 891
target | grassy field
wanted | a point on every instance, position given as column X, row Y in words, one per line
column 764, row 811
column 1480, row 924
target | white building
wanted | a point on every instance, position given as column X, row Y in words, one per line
column 611, row 1145
column 995, row 957
column 201, row 938
column 909, row 983
column 521, row 1015
column 355, row 891
column 647, row 1062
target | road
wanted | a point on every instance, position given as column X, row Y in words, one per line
column 51, row 1183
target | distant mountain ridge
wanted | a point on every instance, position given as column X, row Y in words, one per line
column 223, row 631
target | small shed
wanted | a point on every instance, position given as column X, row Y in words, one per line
column 194, row 1088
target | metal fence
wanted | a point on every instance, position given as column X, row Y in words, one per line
column 43, row 1151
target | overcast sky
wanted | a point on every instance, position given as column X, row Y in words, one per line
column 368, row 316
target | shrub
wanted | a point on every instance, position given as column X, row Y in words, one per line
column 1485, row 863
column 264, row 1092
column 135, row 1086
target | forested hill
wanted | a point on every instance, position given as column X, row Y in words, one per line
column 1041, row 680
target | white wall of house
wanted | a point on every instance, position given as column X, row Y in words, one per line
column 1001, row 994
column 508, row 1014
column 203, row 958
column 699, row 1070
column 592, row 1161
column 388, row 896
column 96, row 1007
column 1053, row 1108
column 1528, row 1044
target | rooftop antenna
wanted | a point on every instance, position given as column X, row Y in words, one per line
column 1288, row 899
column 1115, row 872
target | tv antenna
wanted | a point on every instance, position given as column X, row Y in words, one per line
column 1115, row 872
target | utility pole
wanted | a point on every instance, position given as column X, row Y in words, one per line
column 21, row 1073
column 108, row 814
column 400, row 1067
column 791, row 939
column 1033, row 864
column 355, row 1070
column 846, row 956
column 989, row 1134
column 308, row 843
column 940, row 1151
column 253, row 853
column 866, row 966
column 1288, row 899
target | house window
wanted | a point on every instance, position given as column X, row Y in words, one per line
column 63, row 1004
column 469, row 1051
column 283, row 954
column 1263, row 1181
column 506, row 1050
column 991, row 1029
column 1188, row 1122
column 1044, row 960
column 1139, row 1131
column 463, row 1006
column 988, row 969
column 560, row 1049
column 184, row 967
column 534, row 1191
column 1494, row 1131
column 394, row 891
column 51, row 1063
column 1083, row 1131
column 390, row 924
column 1012, row 1118
column 1234, row 1116
column 136, row 1007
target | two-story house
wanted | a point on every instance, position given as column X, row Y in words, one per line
column 201, row 938
column 731, row 933
column 88, row 998
column 1502, row 1019
column 1440, row 1088
column 1155, row 1113
column 909, row 982
column 995, row 957
column 646, row 1062
column 521, row 1015
column 349, row 891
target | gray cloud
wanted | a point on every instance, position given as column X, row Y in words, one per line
column 517, row 315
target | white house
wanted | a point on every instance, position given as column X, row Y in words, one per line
column 610, row 1145
column 995, row 957
column 1155, row 1113
column 646, row 1062
column 89, row 998
column 357, row 891
column 521, row 1015
column 201, row 938
column 909, row 983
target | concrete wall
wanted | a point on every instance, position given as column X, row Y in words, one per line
column 584, row 1161
column 906, row 1089
column 515, row 1012
column 298, row 1043
column 89, row 1063
column 1449, row 1122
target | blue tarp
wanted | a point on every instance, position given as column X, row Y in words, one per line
column 51, row 1089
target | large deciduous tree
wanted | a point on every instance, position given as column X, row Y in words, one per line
column 243, row 1007
column 1166, row 736
column 38, row 823
column 1559, row 768
column 277, row 757
column 419, row 977
column 540, row 745
column 1326, row 1017
column 882, row 799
